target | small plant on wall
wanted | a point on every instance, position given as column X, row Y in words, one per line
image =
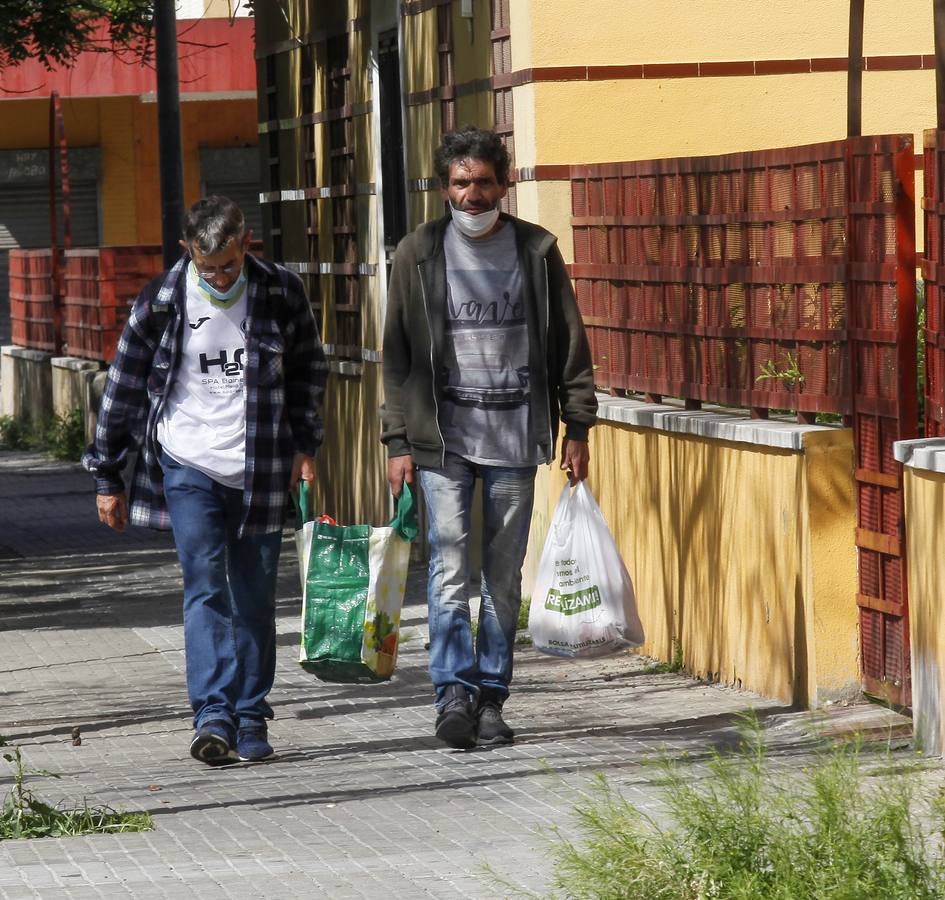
column 790, row 376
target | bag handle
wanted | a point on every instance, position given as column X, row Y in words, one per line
column 404, row 522
column 586, row 498
column 303, row 505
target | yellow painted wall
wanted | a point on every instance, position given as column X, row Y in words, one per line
column 601, row 32
column 603, row 121
column 548, row 202
column 925, row 512
column 680, row 117
column 121, row 178
column 743, row 554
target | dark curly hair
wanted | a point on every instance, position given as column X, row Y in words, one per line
column 470, row 142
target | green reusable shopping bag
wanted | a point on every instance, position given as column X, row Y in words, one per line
column 353, row 580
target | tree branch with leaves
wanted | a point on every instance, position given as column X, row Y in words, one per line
column 55, row 32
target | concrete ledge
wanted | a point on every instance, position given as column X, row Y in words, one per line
column 922, row 453
column 708, row 422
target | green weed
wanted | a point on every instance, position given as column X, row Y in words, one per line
column 61, row 436
column 677, row 664
column 657, row 668
column 523, row 613
column 790, row 376
column 673, row 667
column 24, row 815
column 65, row 437
column 13, row 433
column 744, row 832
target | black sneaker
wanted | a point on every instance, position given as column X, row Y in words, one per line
column 213, row 743
column 252, row 741
column 456, row 719
column 492, row 730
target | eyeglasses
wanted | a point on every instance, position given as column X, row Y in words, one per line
column 228, row 270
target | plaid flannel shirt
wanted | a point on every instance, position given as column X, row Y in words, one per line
column 284, row 374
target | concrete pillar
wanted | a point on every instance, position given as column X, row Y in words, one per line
column 25, row 383
column 68, row 382
column 93, row 386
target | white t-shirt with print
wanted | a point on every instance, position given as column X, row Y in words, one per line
column 204, row 419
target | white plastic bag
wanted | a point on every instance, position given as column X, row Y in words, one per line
column 583, row 602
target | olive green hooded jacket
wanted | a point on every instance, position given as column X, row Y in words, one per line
column 559, row 359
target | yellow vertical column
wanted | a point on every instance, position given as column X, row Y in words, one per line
column 118, row 182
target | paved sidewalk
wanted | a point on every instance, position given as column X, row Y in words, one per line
column 361, row 801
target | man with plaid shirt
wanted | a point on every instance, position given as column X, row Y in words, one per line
column 217, row 383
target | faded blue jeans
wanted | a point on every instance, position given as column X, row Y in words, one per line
column 507, row 498
column 229, row 598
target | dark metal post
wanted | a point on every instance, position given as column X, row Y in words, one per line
column 58, row 160
column 169, row 142
column 938, row 12
column 855, row 71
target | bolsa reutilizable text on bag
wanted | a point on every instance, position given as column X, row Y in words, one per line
column 353, row 582
column 583, row 602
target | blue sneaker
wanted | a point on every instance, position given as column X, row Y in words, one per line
column 251, row 741
column 213, row 743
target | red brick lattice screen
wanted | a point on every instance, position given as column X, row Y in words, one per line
column 778, row 279
column 32, row 312
column 99, row 286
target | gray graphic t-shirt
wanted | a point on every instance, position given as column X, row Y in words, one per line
column 485, row 411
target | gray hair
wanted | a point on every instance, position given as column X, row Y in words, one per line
column 211, row 223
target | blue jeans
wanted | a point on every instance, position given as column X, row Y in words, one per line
column 229, row 598
column 507, row 497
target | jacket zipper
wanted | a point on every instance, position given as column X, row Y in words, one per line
column 436, row 405
column 551, row 441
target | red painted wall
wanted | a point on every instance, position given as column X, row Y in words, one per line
column 213, row 56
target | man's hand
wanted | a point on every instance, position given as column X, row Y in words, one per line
column 399, row 470
column 303, row 469
column 575, row 457
column 112, row 510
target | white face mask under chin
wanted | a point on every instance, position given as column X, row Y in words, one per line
column 474, row 226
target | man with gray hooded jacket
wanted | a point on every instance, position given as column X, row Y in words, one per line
column 484, row 351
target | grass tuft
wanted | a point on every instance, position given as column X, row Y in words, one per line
column 744, row 832
column 24, row 815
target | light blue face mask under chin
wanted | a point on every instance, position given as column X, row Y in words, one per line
column 233, row 292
